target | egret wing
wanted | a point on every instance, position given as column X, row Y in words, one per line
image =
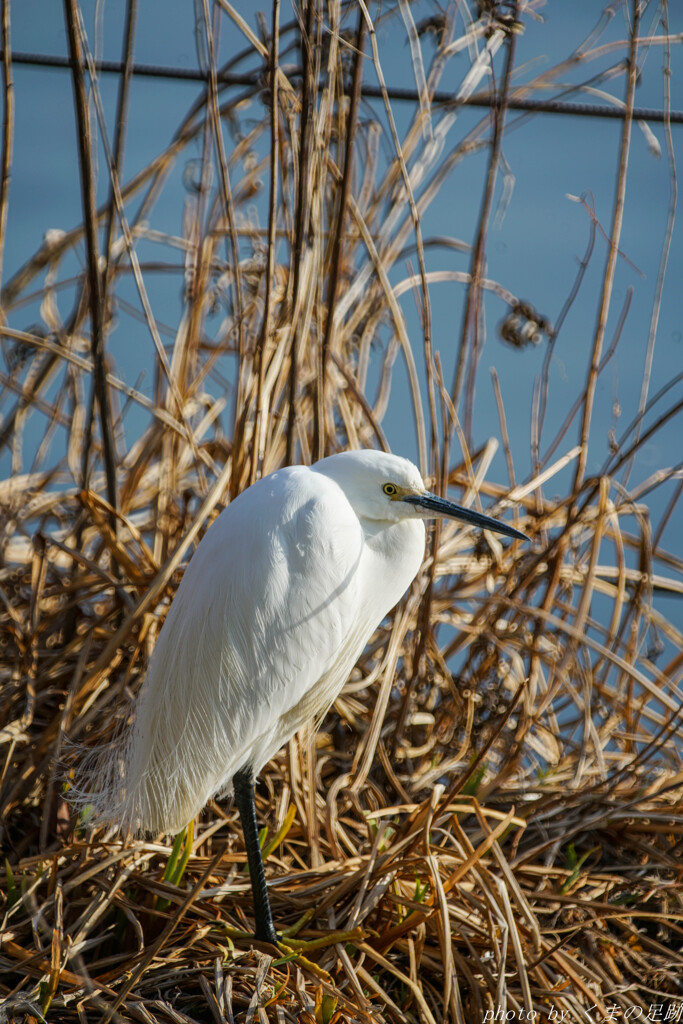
column 270, row 604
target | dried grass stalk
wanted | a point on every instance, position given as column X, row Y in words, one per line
column 491, row 818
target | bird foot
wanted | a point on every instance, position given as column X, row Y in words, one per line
column 267, row 934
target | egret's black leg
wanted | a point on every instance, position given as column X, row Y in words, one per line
column 244, row 798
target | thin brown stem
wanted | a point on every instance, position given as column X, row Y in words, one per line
column 119, row 138
column 261, row 410
column 668, row 234
column 308, row 90
column 100, row 392
column 469, row 348
column 338, row 240
column 552, row 341
column 615, row 234
column 7, row 127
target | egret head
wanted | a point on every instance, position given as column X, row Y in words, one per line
column 387, row 488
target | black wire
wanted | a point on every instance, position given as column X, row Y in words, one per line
column 256, row 78
column 46, row 60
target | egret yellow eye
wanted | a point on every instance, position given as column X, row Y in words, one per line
column 390, row 490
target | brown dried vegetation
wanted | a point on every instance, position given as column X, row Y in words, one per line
column 491, row 817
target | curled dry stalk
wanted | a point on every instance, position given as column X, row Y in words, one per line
column 491, row 816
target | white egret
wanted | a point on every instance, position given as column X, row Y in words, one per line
column 275, row 607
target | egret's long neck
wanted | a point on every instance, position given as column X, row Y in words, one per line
column 393, row 554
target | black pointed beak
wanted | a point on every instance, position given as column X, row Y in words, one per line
column 442, row 508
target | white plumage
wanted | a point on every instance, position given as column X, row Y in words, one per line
column 275, row 607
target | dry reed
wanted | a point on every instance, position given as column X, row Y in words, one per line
column 491, row 818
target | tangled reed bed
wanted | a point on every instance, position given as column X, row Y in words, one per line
column 489, row 823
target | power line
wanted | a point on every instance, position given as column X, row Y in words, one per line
column 537, row 106
column 256, row 78
column 46, row 60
